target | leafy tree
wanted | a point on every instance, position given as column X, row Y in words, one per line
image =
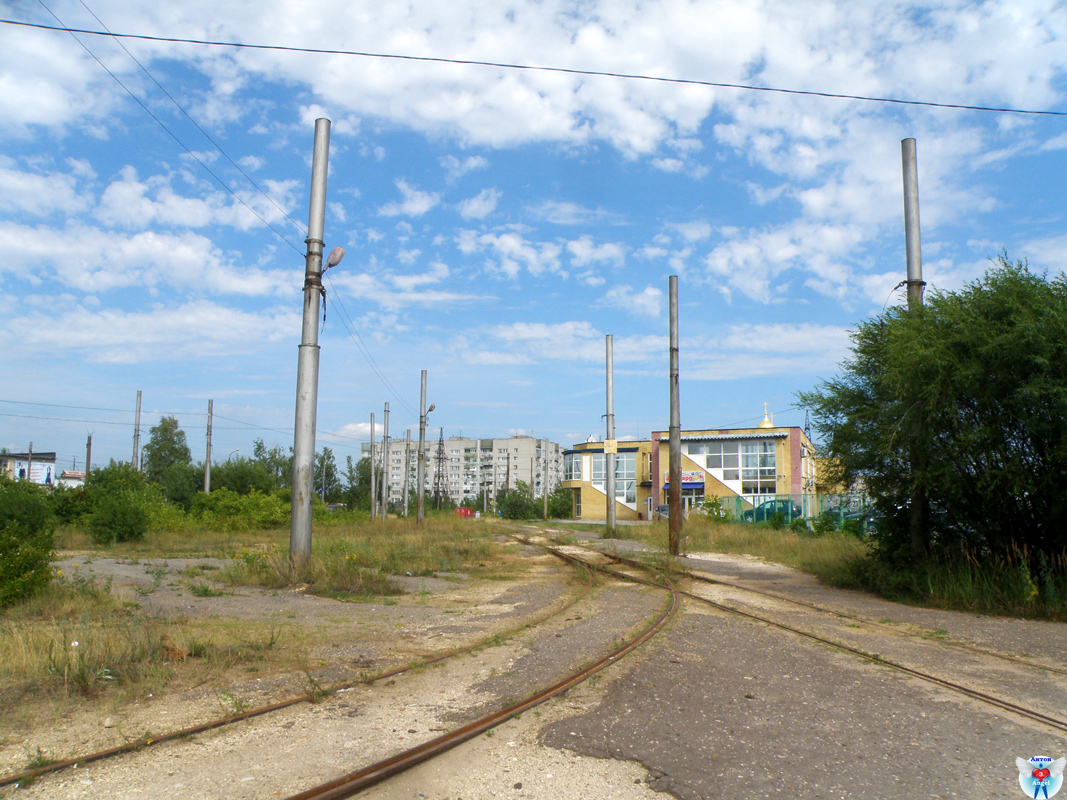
column 275, row 463
column 243, row 476
column 26, row 547
column 327, row 483
column 519, row 503
column 166, row 447
column 961, row 404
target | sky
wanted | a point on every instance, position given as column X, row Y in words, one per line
column 498, row 222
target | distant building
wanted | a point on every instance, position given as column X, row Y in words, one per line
column 741, row 466
column 585, row 474
column 474, row 468
column 71, row 478
column 37, row 467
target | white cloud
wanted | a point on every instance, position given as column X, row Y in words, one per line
column 414, row 204
column 93, row 260
column 41, row 194
column 755, row 350
column 584, row 252
column 566, row 213
column 480, row 206
column 647, row 303
column 160, row 334
column 455, row 168
column 511, row 252
column 694, row 231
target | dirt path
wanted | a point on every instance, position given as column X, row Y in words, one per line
column 714, row 707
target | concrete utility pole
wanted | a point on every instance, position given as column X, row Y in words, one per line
column 307, row 368
column 912, row 241
column 137, row 433
column 610, row 444
column 420, row 473
column 207, row 459
column 29, row 462
column 373, row 474
column 674, row 521
column 407, row 469
column 544, row 479
column 385, row 464
column 88, row 457
column 918, row 522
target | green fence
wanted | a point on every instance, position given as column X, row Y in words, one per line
column 763, row 508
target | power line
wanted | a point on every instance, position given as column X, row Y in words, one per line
column 179, row 106
column 533, row 68
column 163, row 125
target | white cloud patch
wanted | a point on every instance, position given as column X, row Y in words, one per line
column 414, row 204
column 510, row 253
column 755, row 350
column 646, row 303
column 161, row 334
column 40, row 194
column 584, row 252
column 456, row 168
column 480, row 206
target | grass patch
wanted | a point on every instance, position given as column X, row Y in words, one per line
column 357, row 561
column 827, row 557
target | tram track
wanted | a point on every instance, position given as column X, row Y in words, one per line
column 1056, row 723
column 26, row 776
column 357, row 781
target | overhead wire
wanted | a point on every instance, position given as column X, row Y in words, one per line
column 362, row 346
column 538, row 68
column 169, row 132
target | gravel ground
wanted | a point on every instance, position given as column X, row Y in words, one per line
column 714, row 706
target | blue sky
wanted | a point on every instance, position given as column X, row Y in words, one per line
column 498, row 223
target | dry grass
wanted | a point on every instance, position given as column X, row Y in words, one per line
column 828, row 557
column 78, row 643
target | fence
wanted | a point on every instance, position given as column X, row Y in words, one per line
column 764, row 507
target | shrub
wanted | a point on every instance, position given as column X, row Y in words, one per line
column 26, row 548
column 226, row 510
column 118, row 517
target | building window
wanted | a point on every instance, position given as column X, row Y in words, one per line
column 577, row 503
column 758, row 468
column 599, row 472
column 720, row 456
column 572, row 467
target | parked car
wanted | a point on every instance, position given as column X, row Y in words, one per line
column 661, row 512
column 766, row 510
column 867, row 521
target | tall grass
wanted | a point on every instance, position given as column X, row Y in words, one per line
column 827, row 557
column 357, row 560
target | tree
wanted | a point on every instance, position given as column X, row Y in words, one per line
column 327, row 483
column 964, row 399
column 519, row 503
column 166, row 447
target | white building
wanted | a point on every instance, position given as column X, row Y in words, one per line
column 473, row 467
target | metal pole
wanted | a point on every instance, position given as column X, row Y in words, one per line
column 88, row 457
column 912, row 241
column 918, row 517
column 407, row 469
column 373, row 474
column 544, row 479
column 137, row 432
column 307, row 368
column 609, row 458
column 29, row 462
column 675, row 433
column 420, row 473
column 385, row 464
column 207, row 459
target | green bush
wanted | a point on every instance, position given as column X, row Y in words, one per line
column 226, row 510
column 71, row 506
column 26, row 548
column 119, row 517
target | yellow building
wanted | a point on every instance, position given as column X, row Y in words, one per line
column 742, row 466
column 584, row 473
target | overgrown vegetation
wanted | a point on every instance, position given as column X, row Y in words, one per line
column 26, row 544
column 520, row 503
column 954, row 417
column 358, row 562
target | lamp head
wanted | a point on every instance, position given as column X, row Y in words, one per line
column 334, row 258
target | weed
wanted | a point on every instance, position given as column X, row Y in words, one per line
column 234, row 704
column 489, row 734
column 204, row 590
